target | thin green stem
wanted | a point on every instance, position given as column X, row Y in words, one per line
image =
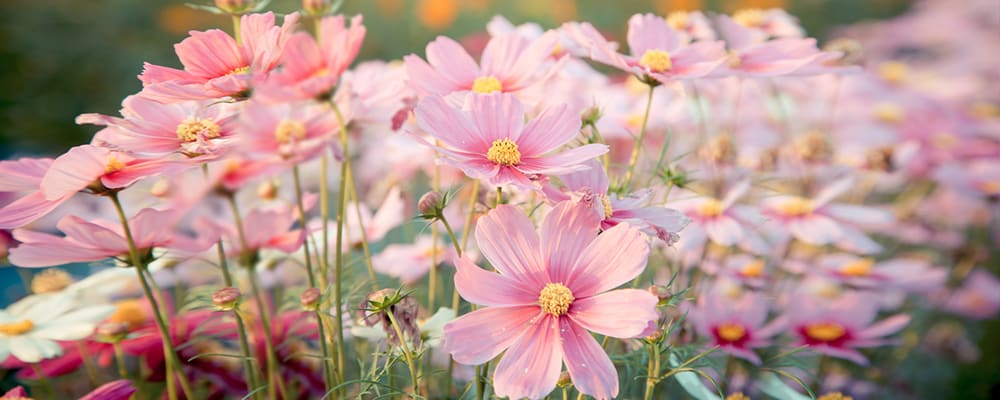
column 328, row 377
column 482, row 375
column 120, row 360
column 406, row 353
column 653, row 370
column 339, row 257
column 250, row 373
column 637, row 149
column 365, row 247
column 499, row 197
column 236, row 29
column 302, row 221
column 173, row 364
column 274, row 376
column 324, row 213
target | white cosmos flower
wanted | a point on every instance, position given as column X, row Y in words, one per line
column 30, row 328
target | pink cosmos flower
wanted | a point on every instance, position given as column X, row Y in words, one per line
column 978, row 297
column 769, row 23
column 150, row 128
column 736, row 325
column 975, row 178
column 722, row 221
column 753, row 55
column 548, row 294
column 264, row 229
column 291, row 132
column 694, row 24
column 311, row 66
column 98, row 168
column 819, row 221
column 907, row 274
column 591, row 187
column 97, row 240
column 509, row 64
column 410, row 262
column 489, row 140
column 838, row 326
column 23, row 177
column 391, row 213
column 657, row 50
column 215, row 65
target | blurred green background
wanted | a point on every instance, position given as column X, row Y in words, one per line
column 61, row 58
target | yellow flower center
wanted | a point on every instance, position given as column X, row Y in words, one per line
column 991, row 188
column 738, row 396
column 731, row 332
column 943, row 140
column 129, row 313
column 656, row 60
column 16, row 328
column 191, row 128
column 288, row 131
column 487, row 84
column 749, row 17
column 834, row 396
column 796, row 207
column 889, row 113
column 985, row 110
column 608, row 210
column 240, row 70
column 555, row 299
column 113, row 165
column 710, row 208
column 825, row 331
column 753, row 269
column 861, row 267
column 679, row 20
column 50, row 280
column 504, row 152
column 893, row 72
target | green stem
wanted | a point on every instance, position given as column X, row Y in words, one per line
column 328, row 377
column 652, row 372
column 251, row 373
column 43, row 380
column 272, row 357
column 499, row 197
column 365, row 248
column 406, row 353
column 120, row 360
column 302, row 221
column 482, row 375
column 171, row 360
column 637, row 149
column 339, row 255
column 236, row 29
column 324, row 212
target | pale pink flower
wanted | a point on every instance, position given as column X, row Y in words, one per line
column 590, row 186
column 723, row 221
column 974, row 178
column 489, row 139
column 311, row 67
column 287, row 132
column 99, row 239
column 819, row 221
column 391, row 213
column 657, row 50
column 264, row 229
column 908, row 274
column 548, row 294
column 509, row 64
column 750, row 56
column 23, row 178
column 693, row 24
column 202, row 129
column 216, row 66
column 410, row 261
column 736, row 325
column 772, row 23
column 978, row 297
column 839, row 326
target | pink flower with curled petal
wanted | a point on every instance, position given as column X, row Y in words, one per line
column 736, row 325
column 549, row 292
column 591, row 187
column 838, row 327
column 658, row 51
column 100, row 239
column 196, row 129
column 510, row 64
column 216, row 65
column 311, row 67
column 489, row 139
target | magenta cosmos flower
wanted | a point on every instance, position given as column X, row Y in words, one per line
column 510, row 63
column 549, row 292
column 838, row 327
column 489, row 139
column 216, row 65
column 657, row 50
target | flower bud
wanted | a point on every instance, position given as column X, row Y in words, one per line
column 235, row 6
column 565, row 380
column 661, row 292
column 317, row 8
column 310, row 299
column 591, row 115
column 267, row 190
column 226, row 299
column 431, row 205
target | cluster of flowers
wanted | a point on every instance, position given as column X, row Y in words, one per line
column 783, row 200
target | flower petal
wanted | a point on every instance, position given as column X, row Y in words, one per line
column 490, row 289
column 589, row 366
column 507, row 238
column 623, row 313
column 566, row 232
column 617, row 256
column 477, row 337
column 530, row 368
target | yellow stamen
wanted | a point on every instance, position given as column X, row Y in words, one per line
column 796, row 207
column 130, row 313
column 504, row 152
column 893, row 72
column 750, row 17
column 17, row 328
column 191, row 128
column 738, row 396
column 731, row 332
column 113, row 165
column 487, row 84
column 825, row 331
column 50, row 281
column 753, row 269
column 288, row 131
column 890, row 113
column 608, row 210
column 710, row 208
column 555, row 299
column 656, row 60
column 861, row 267
column 834, row 396
column 240, row 70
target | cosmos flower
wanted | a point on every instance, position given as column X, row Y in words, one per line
column 489, row 140
column 839, row 326
column 289, row 132
column 30, row 332
column 736, row 325
column 549, row 292
column 23, row 178
column 723, row 221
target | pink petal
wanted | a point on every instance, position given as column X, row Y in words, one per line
column 477, row 337
column 451, row 61
column 436, row 117
column 551, row 129
column 814, row 229
column 531, row 366
column 623, row 313
column 563, row 163
column 507, row 238
column 885, row 327
column 23, row 175
column 566, row 232
column 490, row 289
column 862, row 215
column 499, row 116
column 43, row 250
column 27, row 209
column 210, row 54
column 650, row 32
column 589, row 366
column 73, row 171
column 617, row 256
column 425, row 79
